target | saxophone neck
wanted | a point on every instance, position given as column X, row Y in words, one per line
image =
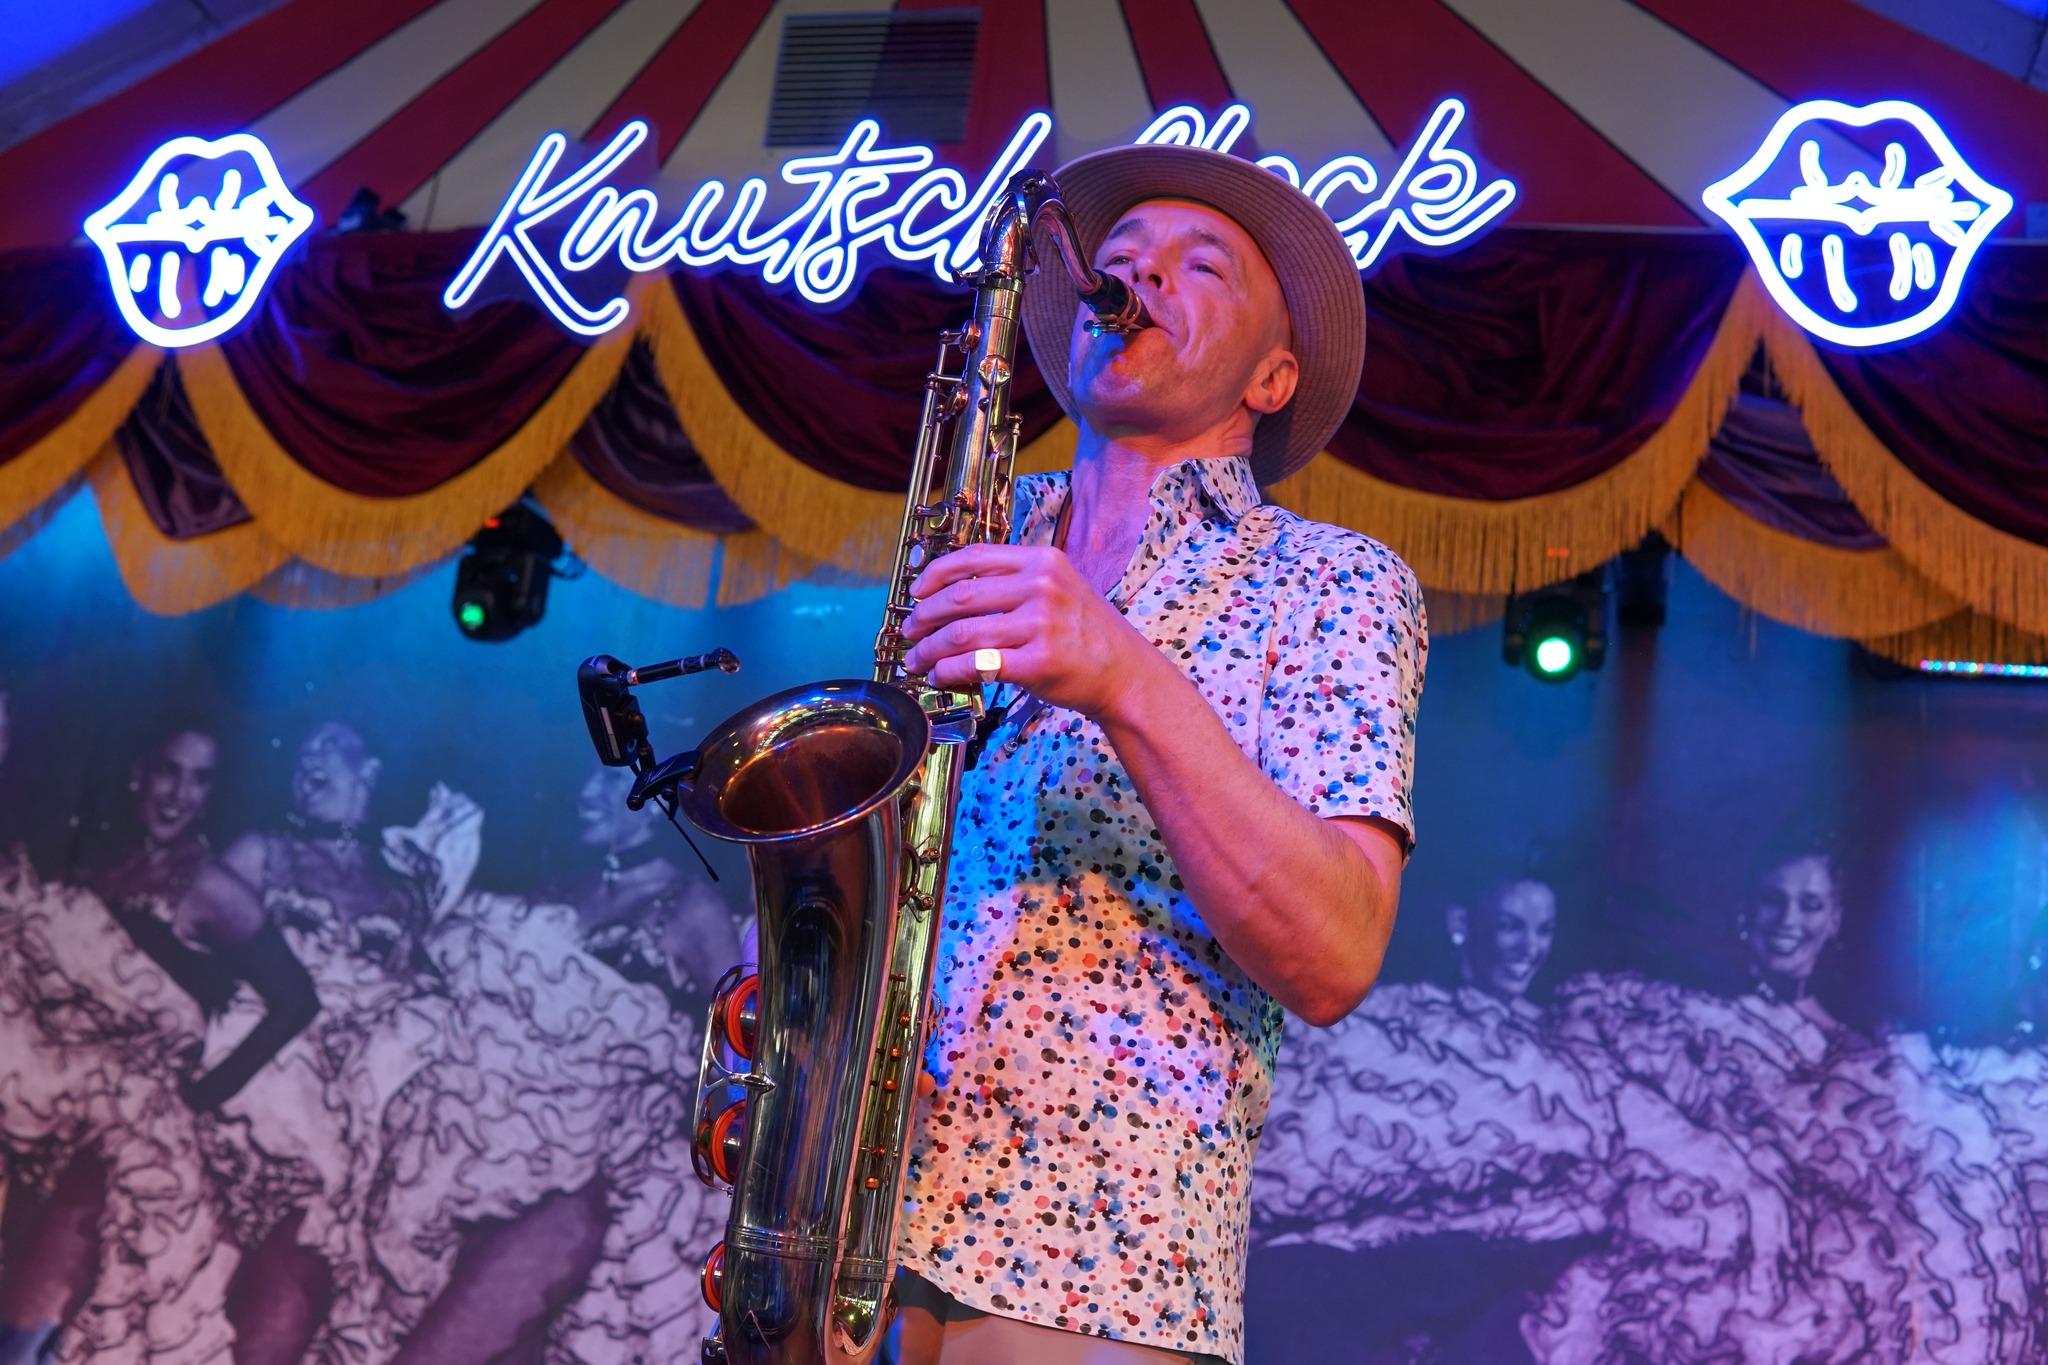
column 960, row 485
column 1008, row 252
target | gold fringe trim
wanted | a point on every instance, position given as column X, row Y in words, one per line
column 365, row 537
column 656, row 558
column 1966, row 635
column 1817, row 588
column 297, row 584
column 754, row 565
column 638, row 551
column 173, row 577
column 1994, row 572
column 815, row 515
column 30, row 479
column 1472, row 546
column 817, row 519
column 26, row 527
column 1454, row 613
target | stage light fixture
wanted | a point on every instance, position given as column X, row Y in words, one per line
column 1560, row 631
column 501, row 581
column 366, row 213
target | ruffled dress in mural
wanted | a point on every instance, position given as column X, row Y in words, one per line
column 95, row 1035
column 1429, row 1111
column 1905, row 1234
column 555, row 1071
column 307, row 1135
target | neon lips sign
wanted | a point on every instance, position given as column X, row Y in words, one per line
column 1857, row 262
column 894, row 202
column 193, row 238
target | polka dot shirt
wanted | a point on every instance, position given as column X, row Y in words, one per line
column 1103, row 1067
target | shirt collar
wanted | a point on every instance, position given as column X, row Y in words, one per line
column 1221, row 487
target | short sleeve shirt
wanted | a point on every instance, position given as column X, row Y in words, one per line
column 1103, row 1065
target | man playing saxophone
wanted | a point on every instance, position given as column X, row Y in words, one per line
column 1195, row 809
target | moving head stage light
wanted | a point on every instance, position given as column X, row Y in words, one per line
column 501, row 582
column 1560, row 631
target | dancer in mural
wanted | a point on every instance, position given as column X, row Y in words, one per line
column 641, row 913
column 1438, row 1128
column 1324, row 1186
column 578, row 1026
column 296, row 1150
column 1473, row 1159
column 446, row 1122
column 105, row 1006
column 1906, row 1235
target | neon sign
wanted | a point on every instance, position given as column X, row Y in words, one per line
column 894, row 202
column 192, row 240
column 1891, row 256
column 1433, row 199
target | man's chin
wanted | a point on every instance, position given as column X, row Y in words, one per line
column 1123, row 406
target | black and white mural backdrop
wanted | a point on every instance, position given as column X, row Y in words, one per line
column 347, row 1015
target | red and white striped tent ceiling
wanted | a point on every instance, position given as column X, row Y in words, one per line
column 1607, row 112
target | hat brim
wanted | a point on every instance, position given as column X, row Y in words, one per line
column 1320, row 281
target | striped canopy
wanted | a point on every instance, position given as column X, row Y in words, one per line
column 1608, row 113
column 1534, row 402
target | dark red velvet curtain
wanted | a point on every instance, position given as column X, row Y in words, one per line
column 359, row 371
column 1532, row 359
column 840, row 389
column 1965, row 406
column 1524, row 363
column 60, row 337
column 172, row 466
column 633, row 445
column 1763, row 462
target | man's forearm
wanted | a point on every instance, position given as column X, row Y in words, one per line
column 1295, row 902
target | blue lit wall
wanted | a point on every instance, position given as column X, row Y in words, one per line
column 1645, row 1139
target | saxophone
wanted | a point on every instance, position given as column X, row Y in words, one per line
column 843, row 794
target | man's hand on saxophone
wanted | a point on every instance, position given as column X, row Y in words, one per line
column 1061, row 640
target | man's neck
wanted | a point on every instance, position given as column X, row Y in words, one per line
column 1110, row 497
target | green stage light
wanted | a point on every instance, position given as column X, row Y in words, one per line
column 1556, row 657
column 1558, row 632
column 501, row 581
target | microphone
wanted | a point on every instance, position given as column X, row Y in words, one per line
column 724, row 660
column 617, row 729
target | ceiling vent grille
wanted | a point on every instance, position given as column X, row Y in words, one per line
column 910, row 72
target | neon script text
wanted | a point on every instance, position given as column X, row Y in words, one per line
column 867, row 200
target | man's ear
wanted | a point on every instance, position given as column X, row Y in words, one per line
column 1273, row 382
column 371, row 767
column 1457, row 923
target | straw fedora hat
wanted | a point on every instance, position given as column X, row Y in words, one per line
column 1325, row 299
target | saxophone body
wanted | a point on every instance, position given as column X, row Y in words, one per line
column 843, row 794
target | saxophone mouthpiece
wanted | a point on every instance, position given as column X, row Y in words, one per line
column 1116, row 305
